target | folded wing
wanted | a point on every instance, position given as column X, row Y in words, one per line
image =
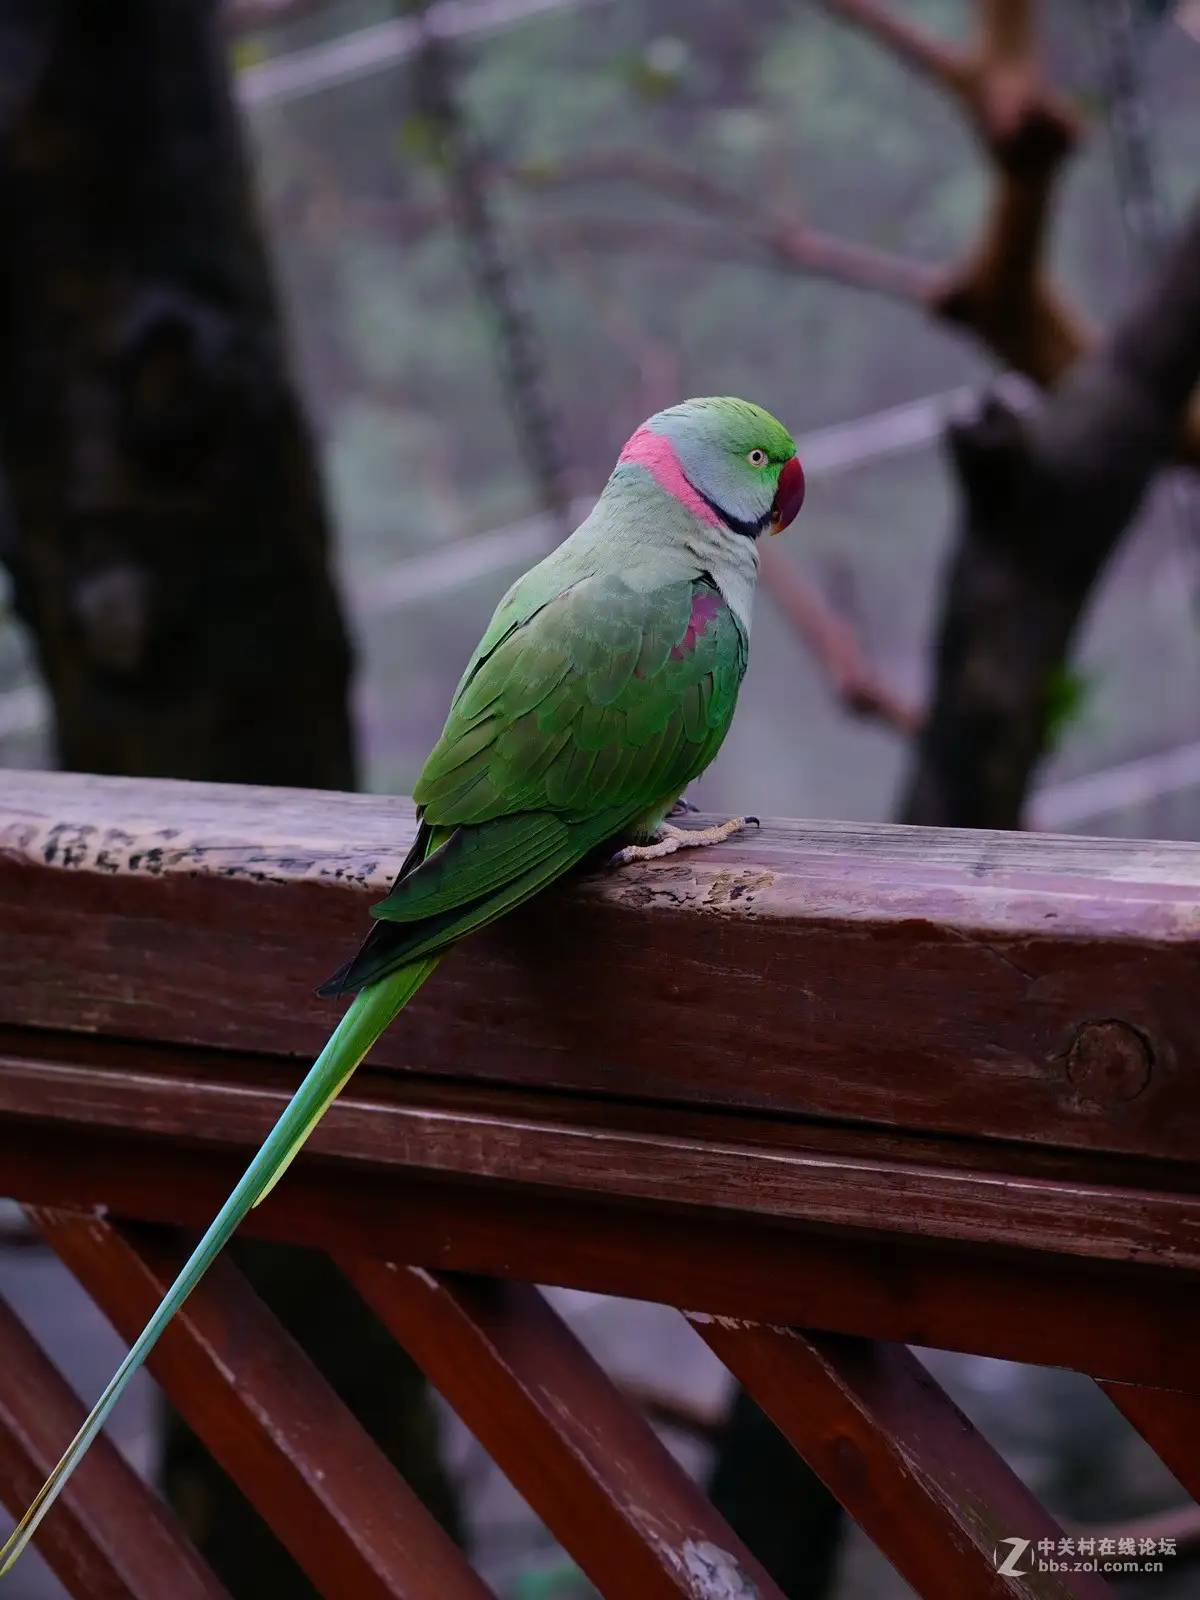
column 577, row 725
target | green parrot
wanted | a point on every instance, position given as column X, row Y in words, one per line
column 604, row 684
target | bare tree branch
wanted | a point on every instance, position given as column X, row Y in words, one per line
column 613, row 234
column 914, row 46
column 761, row 237
column 772, row 237
column 651, row 170
column 858, row 266
column 816, row 255
column 835, row 645
column 1000, row 291
column 1045, row 501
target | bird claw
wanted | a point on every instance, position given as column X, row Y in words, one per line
column 671, row 839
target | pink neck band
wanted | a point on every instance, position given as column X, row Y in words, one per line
column 656, row 453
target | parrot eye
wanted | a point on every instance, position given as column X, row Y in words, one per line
column 757, row 458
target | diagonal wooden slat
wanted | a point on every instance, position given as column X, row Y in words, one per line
column 110, row 1537
column 269, row 1418
column 1170, row 1424
column 569, row 1441
column 910, row 1469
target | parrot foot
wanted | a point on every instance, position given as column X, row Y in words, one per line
column 671, row 839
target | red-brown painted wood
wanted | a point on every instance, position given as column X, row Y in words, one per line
column 1136, row 1323
column 1170, row 1424
column 564, row 1435
column 908, row 1466
column 681, row 1159
column 969, row 982
column 933, row 1088
column 269, row 1418
column 108, row 1537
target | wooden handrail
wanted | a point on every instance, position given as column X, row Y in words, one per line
column 888, row 1083
column 996, row 985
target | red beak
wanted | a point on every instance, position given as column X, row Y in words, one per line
column 789, row 494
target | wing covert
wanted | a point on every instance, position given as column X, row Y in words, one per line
column 604, row 698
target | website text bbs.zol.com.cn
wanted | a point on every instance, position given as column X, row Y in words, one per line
column 1017, row 1557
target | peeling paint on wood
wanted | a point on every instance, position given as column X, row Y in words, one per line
column 852, row 871
column 714, row 1573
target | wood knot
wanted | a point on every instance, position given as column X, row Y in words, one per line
column 1110, row 1062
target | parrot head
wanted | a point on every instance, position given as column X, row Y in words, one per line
column 729, row 461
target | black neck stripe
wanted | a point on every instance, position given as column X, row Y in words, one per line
column 748, row 530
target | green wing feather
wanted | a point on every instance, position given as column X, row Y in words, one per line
column 581, row 717
column 579, row 725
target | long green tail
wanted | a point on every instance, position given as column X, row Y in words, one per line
column 368, row 1015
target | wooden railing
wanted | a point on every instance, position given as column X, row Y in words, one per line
column 829, row 1090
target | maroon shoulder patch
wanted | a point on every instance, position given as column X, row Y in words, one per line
column 705, row 607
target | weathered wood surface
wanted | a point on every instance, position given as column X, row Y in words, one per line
column 922, row 1088
column 269, row 1419
column 560, row 1431
column 900, row 1456
column 630, row 1046
column 1085, row 1206
column 110, row 1537
column 1002, row 986
column 1134, row 1322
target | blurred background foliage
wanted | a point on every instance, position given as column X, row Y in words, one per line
column 591, row 122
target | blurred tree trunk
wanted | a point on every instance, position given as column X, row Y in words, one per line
column 168, row 542
column 1044, row 502
column 775, row 1502
column 172, row 556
